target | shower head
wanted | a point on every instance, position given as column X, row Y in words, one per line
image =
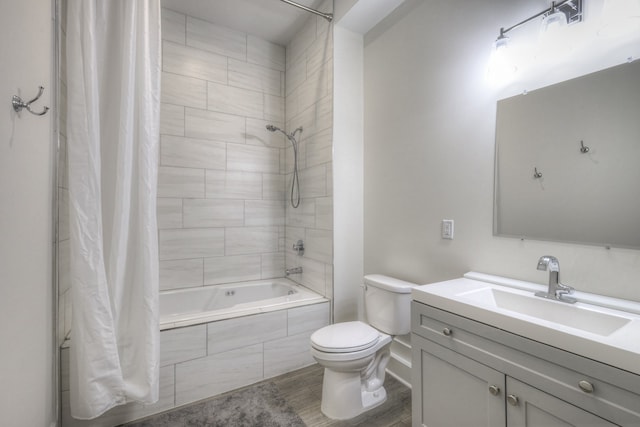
column 272, row 128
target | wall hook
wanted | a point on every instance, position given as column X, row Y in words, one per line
column 536, row 174
column 583, row 149
column 19, row 104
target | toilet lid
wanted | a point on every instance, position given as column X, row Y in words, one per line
column 344, row 337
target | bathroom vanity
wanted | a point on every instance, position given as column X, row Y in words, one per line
column 487, row 352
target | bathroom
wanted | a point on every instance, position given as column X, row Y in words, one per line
column 426, row 146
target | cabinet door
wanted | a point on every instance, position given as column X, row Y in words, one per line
column 450, row 390
column 530, row 407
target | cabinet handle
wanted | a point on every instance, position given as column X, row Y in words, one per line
column 494, row 389
column 513, row 400
column 447, row 332
column 586, row 386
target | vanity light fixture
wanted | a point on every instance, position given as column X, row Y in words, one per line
column 558, row 14
column 501, row 67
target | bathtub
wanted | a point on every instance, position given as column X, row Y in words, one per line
column 191, row 306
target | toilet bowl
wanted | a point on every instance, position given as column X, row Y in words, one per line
column 354, row 365
column 355, row 354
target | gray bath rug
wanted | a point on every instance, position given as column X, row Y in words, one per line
column 259, row 405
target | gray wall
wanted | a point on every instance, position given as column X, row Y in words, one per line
column 429, row 155
column 26, row 290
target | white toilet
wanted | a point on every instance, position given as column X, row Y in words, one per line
column 354, row 354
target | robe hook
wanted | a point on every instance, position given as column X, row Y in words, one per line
column 536, row 174
column 19, row 104
column 583, row 148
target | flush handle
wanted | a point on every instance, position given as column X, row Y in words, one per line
column 494, row 390
column 447, row 332
column 586, row 386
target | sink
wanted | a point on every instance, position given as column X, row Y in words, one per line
column 598, row 327
column 574, row 316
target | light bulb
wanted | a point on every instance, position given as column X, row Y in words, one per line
column 501, row 69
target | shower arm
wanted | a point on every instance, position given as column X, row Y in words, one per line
column 327, row 16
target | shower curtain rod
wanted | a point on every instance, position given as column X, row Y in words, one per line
column 327, row 16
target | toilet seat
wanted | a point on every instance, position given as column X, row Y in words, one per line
column 345, row 337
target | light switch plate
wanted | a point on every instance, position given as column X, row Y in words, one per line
column 447, row 229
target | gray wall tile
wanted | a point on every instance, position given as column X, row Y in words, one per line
column 233, row 185
column 264, row 212
column 251, row 240
column 192, row 153
column 254, row 77
column 287, row 354
column 191, row 243
column 213, row 213
column 180, row 182
column 319, row 245
column 234, row 100
column 308, row 318
column 267, row 54
column 182, row 273
column 212, row 375
column 174, row 26
column 169, row 213
column 216, row 38
column 240, row 332
column 197, row 63
column 182, row 344
column 273, row 187
column 216, row 126
column 185, row 91
column 251, row 158
column 257, row 134
column 171, row 119
column 229, row 269
column 272, row 265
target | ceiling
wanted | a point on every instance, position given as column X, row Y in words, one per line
column 271, row 20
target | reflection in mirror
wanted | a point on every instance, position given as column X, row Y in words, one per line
column 568, row 161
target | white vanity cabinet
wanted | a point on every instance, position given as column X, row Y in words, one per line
column 469, row 374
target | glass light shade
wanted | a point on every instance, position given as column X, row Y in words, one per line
column 553, row 21
column 501, row 68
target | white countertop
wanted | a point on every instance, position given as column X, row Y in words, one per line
column 583, row 331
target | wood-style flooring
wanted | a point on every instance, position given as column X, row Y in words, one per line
column 302, row 391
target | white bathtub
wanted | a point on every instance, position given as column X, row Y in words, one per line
column 191, row 306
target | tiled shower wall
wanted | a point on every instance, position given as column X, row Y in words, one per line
column 221, row 213
column 309, row 103
column 224, row 180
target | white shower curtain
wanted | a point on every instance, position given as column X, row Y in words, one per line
column 113, row 91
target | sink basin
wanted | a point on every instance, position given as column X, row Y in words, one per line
column 598, row 327
column 575, row 316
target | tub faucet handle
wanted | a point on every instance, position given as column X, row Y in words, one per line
column 299, row 247
column 290, row 271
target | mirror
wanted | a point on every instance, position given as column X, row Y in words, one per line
column 568, row 161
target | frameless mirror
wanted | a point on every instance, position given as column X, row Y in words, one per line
column 568, row 161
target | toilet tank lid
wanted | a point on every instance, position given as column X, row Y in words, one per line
column 389, row 283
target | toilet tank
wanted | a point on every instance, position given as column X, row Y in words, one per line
column 388, row 303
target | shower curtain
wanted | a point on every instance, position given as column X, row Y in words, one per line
column 113, row 91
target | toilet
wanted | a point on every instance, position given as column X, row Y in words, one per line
column 355, row 354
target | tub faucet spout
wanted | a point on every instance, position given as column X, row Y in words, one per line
column 557, row 291
column 290, row 271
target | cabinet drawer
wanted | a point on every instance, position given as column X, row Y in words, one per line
column 606, row 391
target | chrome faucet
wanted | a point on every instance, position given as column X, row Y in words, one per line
column 557, row 291
column 290, row 271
